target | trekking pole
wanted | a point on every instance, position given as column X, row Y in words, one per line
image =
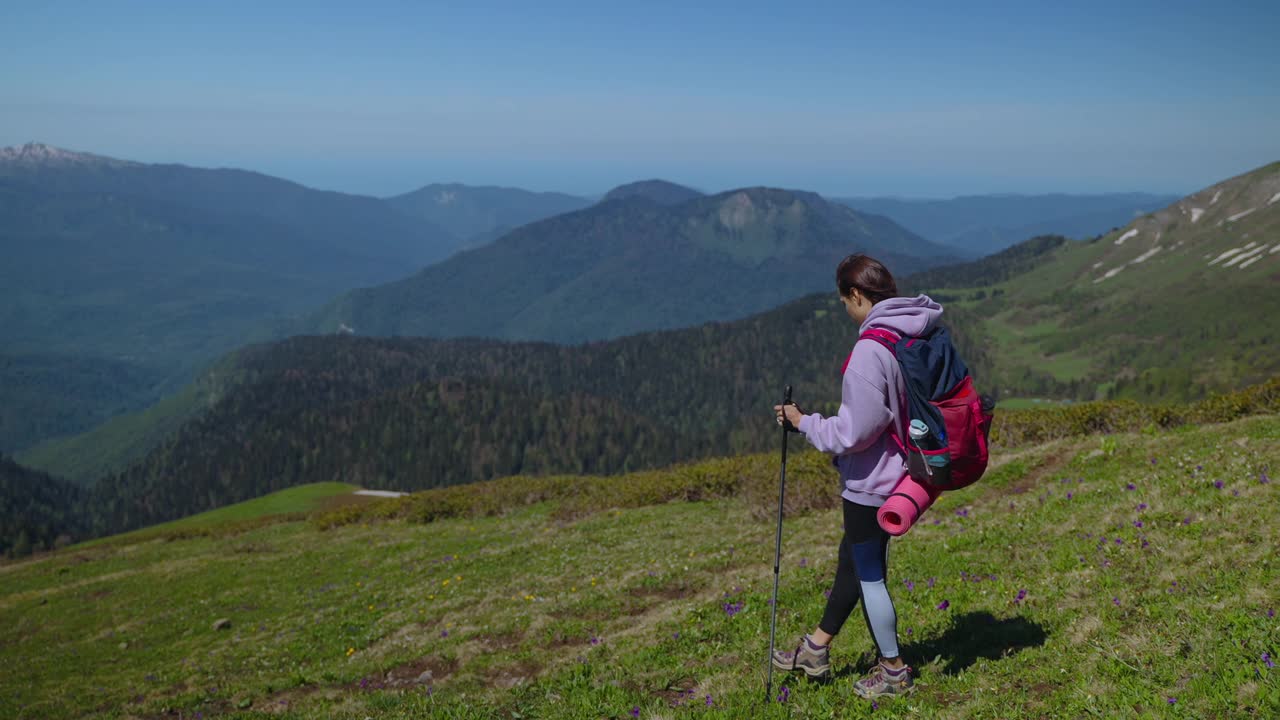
column 777, row 549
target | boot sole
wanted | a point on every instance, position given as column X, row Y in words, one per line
column 813, row 674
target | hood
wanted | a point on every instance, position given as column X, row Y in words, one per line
column 904, row 316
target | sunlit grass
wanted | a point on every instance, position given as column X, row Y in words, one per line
column 664, row 609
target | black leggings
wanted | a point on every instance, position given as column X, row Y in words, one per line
column 863, row 564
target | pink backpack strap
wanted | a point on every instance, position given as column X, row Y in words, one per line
column 889, row 340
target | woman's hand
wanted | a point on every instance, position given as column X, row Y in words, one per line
column 791, row 412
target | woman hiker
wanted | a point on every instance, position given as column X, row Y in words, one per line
column 871, row 462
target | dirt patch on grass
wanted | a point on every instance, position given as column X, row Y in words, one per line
column 285, row 700
column 1034, row 477
column 502, row 641
column 673, row 591
column 509, row 676
column 678, row 692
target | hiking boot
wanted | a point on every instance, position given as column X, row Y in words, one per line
column 885, row 682
column 816, row 663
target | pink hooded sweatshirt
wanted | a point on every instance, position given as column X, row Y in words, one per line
column 873, row 396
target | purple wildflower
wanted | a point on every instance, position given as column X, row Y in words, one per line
column 1266, row 658
column 963, row 512
column 931, row 583
column 1022, row 595
column 1218, row 484
column 1262, row 477
column 732, row 609
column 444, row 633
column 675, row 636
column 937, row 521
column 635, row 711
column 1137, row 523
column 1271, row 612
column 709, row 702
column 1173, row 700
column 1068, row 496
column 1186, row 520
column 1115, row 601
column 595, row 640
column 804, row 562
column 910, row 585
column 1142, row 506
column 826, row 593
column 1130, row 486
column 785, row 694
column 944, row 604
column 1145, row 543
column 1153, row 461
column 1235, row 493
column 875, row 705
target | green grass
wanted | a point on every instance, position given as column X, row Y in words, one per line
column 112, row 445
column 300, row 499
column 533, row 615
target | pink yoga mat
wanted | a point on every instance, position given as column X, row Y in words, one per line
column 899, row 512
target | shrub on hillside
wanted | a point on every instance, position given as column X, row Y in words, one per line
column 812, row 483
column 1017, row 428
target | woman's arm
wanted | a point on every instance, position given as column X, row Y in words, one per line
column 862, row 418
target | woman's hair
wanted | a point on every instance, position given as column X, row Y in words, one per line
column 867, row 274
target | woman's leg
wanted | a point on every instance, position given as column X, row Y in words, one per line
column 846, row 590
column 871, row 558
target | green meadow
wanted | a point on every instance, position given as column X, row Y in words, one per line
column 1128, row 575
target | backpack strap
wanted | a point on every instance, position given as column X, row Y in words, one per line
column 889, row 340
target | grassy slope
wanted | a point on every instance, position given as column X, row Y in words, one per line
column 534, row 615
column 300, row 499
column 1161, row 317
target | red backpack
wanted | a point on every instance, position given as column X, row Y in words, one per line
column 940, row 394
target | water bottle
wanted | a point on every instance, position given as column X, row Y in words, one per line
column 917, row 467
column 919, row 431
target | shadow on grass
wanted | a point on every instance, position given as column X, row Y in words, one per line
column 976, row 635
column 970, row 636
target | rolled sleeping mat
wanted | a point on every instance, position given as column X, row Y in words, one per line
column 905, row 506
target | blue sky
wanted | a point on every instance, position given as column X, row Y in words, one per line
column 938, row 99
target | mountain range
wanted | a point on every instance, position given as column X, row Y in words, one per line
column 1150, row 311
column 479, row 215
column 647, row 257
column 128, row 278
column 983, row 224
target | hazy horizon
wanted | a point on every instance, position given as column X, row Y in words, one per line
column 932, row 101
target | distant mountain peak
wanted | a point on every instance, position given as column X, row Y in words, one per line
column 659, row 191
column 39, row 154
